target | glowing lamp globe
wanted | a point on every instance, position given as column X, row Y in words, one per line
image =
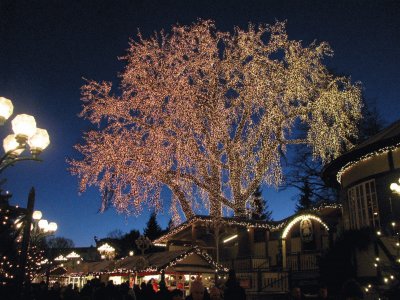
column 39, row 141
column 43, row 224
column 11, row 146
column 37, row 215
column 24, row 126
column 6, row 109
column 52, row 227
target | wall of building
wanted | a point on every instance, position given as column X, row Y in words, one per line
column 374, row 165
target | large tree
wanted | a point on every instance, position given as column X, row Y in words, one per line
column 304, row 172
column 208, row 114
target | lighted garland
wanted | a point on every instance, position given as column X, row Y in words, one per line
column 226, row 221
column 248, row 224
column 364, row 158
column 197, row 251
column 297, row 219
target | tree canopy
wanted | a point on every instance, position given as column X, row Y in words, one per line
column 209, row 114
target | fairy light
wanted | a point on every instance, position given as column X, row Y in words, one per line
column 179, row 130
column 365, row 158
column 230, row 238
column 300, row 218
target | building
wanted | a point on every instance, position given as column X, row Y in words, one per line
column 267, row 256
column 368, row 177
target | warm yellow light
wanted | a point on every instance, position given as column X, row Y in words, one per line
column 230, row 238
column 43, row 224
column 73, row 254
column 106, row 248
column 24, row 126
column 39, row 141
column 60, row 258
column 37, row 215
column 131, row 253
column 52, row 226
column 300, row 218
column 6, row 109
column 11, row 145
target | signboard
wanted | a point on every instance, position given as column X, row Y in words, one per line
column 306, row 230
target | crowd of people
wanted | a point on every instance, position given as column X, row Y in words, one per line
column 97, row 290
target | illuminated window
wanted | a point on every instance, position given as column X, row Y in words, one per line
column 363, row 205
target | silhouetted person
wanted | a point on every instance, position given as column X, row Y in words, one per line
column 177, row 294
column 163, row 293
column 215, row 293
column 233, row 291
column 196, row 291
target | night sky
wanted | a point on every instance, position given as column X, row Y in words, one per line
column 48, row 46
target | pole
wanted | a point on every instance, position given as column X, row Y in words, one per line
column 21, row 280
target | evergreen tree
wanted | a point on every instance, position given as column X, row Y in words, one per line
column 153, row 229
column 127, row 242
column 259, row 207
column 170, row 225
column 305, row 197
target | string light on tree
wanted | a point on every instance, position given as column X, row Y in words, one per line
column 210, row 126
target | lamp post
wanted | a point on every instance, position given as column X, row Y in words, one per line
column 26, row 136
column 34, row 231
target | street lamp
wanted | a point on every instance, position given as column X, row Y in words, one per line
column 41, row 227
column 395, row 187
column 26, row 135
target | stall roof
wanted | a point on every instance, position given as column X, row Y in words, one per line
column 152, row 262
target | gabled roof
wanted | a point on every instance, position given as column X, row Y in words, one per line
column 242, row 222
column 152, row 262
column 385, row 140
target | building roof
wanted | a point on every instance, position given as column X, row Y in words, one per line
column 151, row 262
column 324, row 210
column 387, row 139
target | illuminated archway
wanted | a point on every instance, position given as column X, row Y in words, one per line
column 299, row 219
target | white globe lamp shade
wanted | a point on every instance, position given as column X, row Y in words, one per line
column 52, row 226
column 6, row 109
column 37, row 215
column 11, row 146
column 24, row 126
column 43, row 224
column 39, row 141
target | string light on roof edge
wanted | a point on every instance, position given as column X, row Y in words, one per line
column 300, row 218
column 363, row 158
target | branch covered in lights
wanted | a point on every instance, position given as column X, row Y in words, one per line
column 210, row 126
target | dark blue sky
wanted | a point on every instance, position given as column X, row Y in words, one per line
column 48, row 46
